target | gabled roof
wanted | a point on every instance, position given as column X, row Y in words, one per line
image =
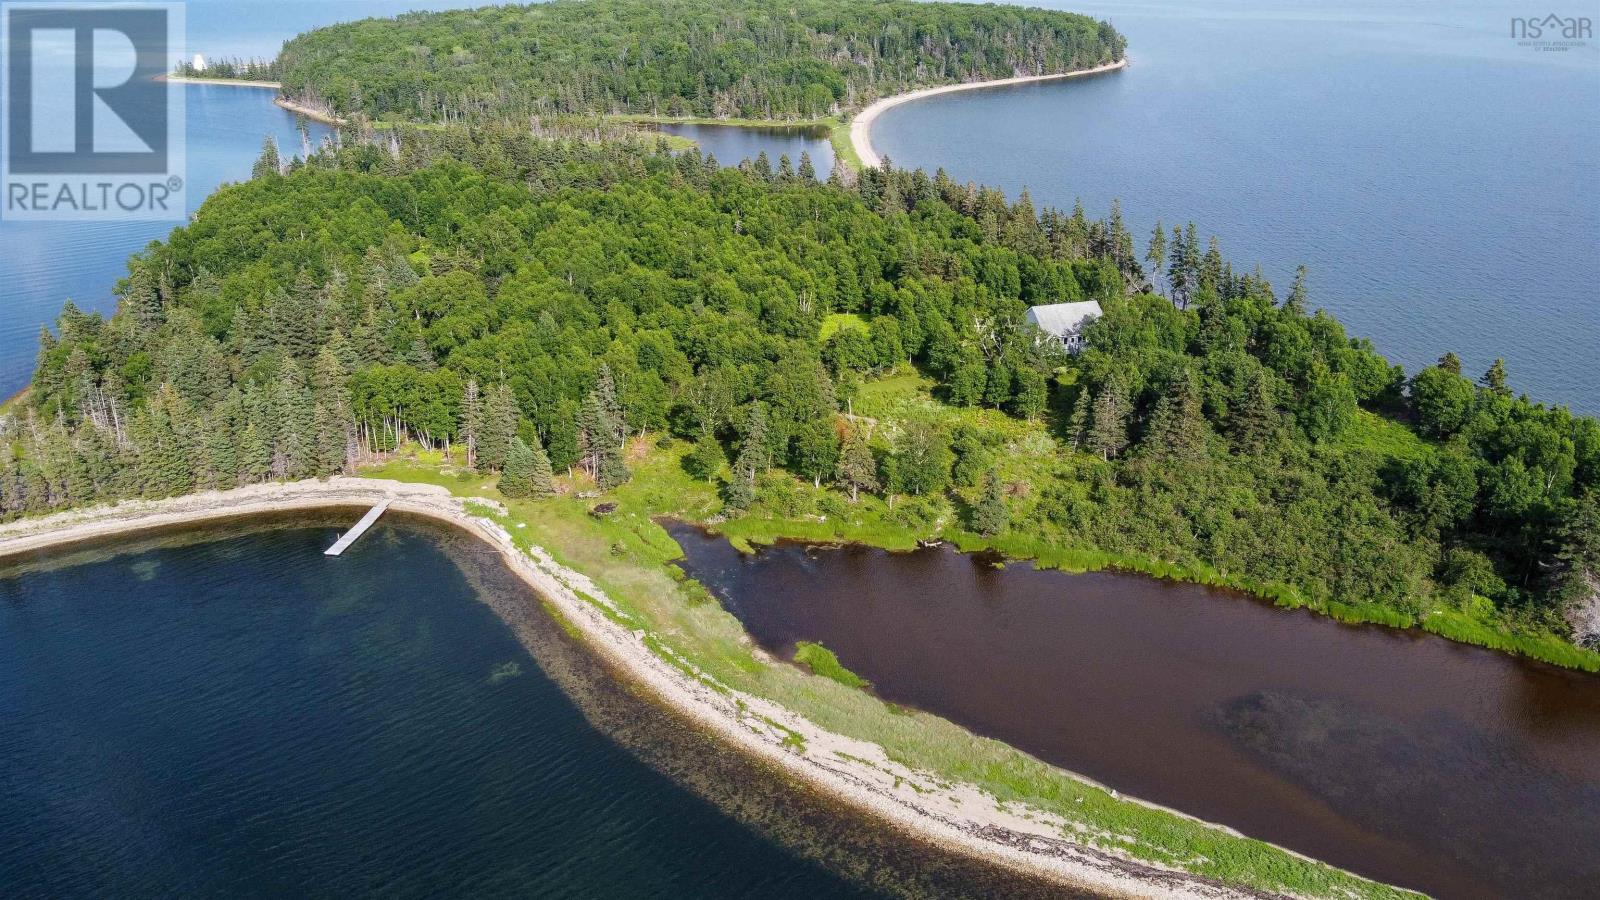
column 1063, row 318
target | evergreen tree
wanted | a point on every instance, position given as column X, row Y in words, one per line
column 268, row 163
column 161, row 433
column 1495, row 379
column 541, row 478
column 255, row 455
column 857, row 470
column 517, row 478
column 612, row 470
column 990, row 516
column 332, row 443
column 808, row 171
column 1254, row 416
column 602, row 433
column 140, row 298
column 1575, row 570
column 1108, row 435
column 1298, row 295
column 1157, row 252
column 500, row 417
column 1450, row 362
column 1078, row 422
column 1177, row 426
column 754, row 454
column 221, row 454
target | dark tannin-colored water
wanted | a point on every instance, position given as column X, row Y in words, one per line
column 1398, row 755
column 226, row 712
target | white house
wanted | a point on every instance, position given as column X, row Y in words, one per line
column 1065, row 321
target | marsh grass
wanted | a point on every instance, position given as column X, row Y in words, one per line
column 822, row 661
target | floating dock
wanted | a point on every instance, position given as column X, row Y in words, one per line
column 350, row 536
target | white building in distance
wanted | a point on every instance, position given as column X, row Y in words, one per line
column 1065, row 321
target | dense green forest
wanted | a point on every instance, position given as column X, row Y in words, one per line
column 546, row 303
column 741, row 58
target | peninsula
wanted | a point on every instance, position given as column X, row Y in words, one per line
column 733, row 62
column 575, row 336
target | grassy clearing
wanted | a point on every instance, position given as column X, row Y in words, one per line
column 629, row 556
column 1375, row 434
column 834, row 322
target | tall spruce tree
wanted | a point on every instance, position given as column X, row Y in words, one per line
column 1254, row 416
column 1108, row 435
column 269, row 162
column 500, row 416
column 517, row 478
column 541, row 477
column 990, row 516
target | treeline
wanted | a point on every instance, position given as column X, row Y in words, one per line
column 548, row 301
column 230, row 67
column 740, row 58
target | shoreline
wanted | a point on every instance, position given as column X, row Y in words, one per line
column 300, row 109
column 225, row 82
column 958, row 818
column 861, row 126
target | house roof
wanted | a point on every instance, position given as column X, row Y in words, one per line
column 1062, row 318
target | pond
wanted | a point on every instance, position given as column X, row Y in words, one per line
column 1398, row 755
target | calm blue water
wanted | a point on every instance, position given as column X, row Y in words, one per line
column 246, row 717
column 732, row 144
column 47, row 263
column 42, row 265
column 1441, row 182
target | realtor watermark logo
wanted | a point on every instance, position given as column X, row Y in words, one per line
column 1552, row 33
column 87, row 131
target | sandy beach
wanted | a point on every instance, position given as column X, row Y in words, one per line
column 861, row 127
column 959, row 818
column 226, row 82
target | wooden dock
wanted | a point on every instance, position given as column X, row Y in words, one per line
column 360, row 528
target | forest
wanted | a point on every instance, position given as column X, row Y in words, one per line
column 556, row 307
column 723, row 58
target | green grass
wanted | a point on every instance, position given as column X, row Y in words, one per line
column 843, row 149
column 835, row 321
column 822, row 661
column 1459, row 626
column 1373, row 433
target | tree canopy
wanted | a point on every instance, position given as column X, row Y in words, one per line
column 740, row 58
column 552, row 301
